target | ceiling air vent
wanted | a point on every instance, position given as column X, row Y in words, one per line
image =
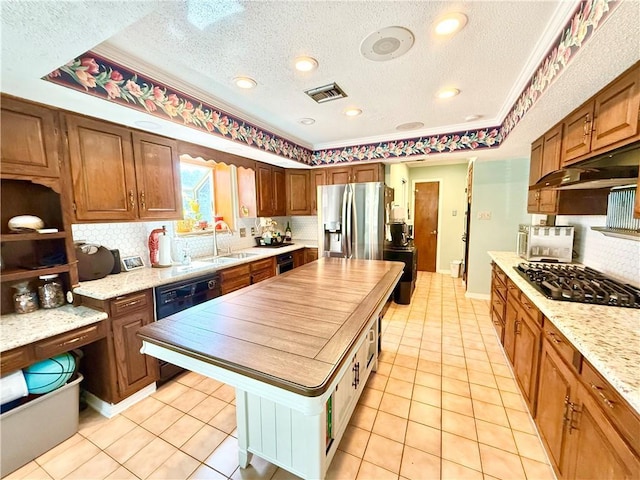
column 326, row 93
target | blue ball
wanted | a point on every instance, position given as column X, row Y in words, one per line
column 47, row 375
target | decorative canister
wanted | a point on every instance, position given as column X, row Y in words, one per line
column 50, row 291
column 25, row 300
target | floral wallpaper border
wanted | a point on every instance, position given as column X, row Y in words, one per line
column 95, row 75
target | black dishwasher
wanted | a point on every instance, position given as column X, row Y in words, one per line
column 178, row 296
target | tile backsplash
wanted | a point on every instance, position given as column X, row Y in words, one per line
column 617, row 257
column 132, row 238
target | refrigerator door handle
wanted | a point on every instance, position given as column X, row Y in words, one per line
column 343, row 234
column 353, row 226
column 348, row 224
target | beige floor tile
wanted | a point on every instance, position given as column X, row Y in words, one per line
column 520, row 421
column 189, row 400
column 370, row 471
column 177, row 466
column 501, row 464
column 485, row 394
column 387, row 357
column 430, row 366
column 425, row 414
column 282, row 474
column 399, row 388
column 190, row 379
column 343, row 467
column 427, row 395
column 384, row 368
column 514, row 401
column 170, row 391
column 354, row 441
column 453, row 360
column 423, row 438
column 225, row 393
column 479, row 366
column 377, row 381
column 30, row 471
column 537, row 470
column 111, row 431
column 496, row 436
column 89, row 421
column 97, row 468
column 208, row 385
column 457, row 403
column 207, row 409
column 458, row 424
column 428, row 380
column 181, row 431
column 403, row 373
column 473, row 355
column 144, row 409
column 461, row 450
column 130, row 444
column 363, row 417
column 457, row 387
column 370, row 397
column 122, row 474
column 205, row 472
column 66, row 462
column 258, row 469
column 150, row 457
column 225, row 420
column 418, row 465
column 58, row 449
column 225, row 458
column 501, row 370
column 390, row 426
column 431, row 346
column 529, row 446
column 409, row 342
column 482, row 378
column 455, row 471
column 490, row 412
column 384, row 453
column 162, row 419
column 507, row 384
column 395, row 405
column 457, row 373
column 202, row 444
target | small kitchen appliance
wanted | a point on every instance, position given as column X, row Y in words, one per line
column 537, row 243
column 399, row 234
column 94, row 261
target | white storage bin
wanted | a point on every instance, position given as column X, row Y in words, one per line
column 26, row 432
column 455, row 268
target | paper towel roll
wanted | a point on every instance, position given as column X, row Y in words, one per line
column 164, row 250
column 12, row 387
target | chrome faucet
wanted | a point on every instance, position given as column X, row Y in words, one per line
column 225, row 229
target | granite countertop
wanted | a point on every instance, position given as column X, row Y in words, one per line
column 22, row 329
column 124, row 283
column 607, row 337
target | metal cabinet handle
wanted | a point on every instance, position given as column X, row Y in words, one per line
column 585, row 128
column 568, row 418
column 142, row 202
column 517, row 327
column 132, row 200
column 553, row 337
column 605, row 400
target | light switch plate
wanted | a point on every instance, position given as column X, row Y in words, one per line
column 243, row 232
column 484, row 215
column 253, row 231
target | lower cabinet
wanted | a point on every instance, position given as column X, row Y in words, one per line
column 310, row 255
column 235, row 278
column 262, row 269
column 113, row 367
column 298, row 258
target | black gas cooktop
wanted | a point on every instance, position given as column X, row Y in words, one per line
column 572, row 283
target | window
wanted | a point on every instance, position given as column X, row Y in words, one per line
column 197, row 195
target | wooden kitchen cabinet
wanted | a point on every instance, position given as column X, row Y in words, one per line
column 510, row 322
column 498, row 300
column 29, row 141
column 526, row 356
column 367, row 172
column 271, row 190
column 609, row 120
column 262, row 269
column 310, row 255
column 316, row 178
column 143, row 172
column 113, row 367
column 298, row 193
column 298, row 258
column 235, row 278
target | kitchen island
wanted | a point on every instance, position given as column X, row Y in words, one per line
column 298, row 349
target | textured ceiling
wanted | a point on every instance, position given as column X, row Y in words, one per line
column 490, row 61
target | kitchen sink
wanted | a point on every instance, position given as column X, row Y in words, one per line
column 239, row 255
column 211, row 262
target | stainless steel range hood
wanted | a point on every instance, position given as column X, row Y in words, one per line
column 613, row 169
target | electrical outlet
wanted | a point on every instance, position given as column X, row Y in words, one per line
column 243, row 232
column 253, row 231
column 484, row 215
column 454, row 213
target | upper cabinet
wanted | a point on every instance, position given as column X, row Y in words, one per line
column 270, row 191
column 545, row 158
column 29, row 139
column 316, row 179
column 247, row 192
column 609, row 120
column 367, row 172
column 298, row 192
column 143, row 173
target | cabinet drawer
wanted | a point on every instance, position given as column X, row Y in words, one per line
column 513, row 290
column 266, row 264
column 261, row 275
column 234, row 272
column 235, row 283
column 530, row 309
column 70, row 340
column 499, row 275
column 15, row 359
column 613, row 405
column 128, row 303
column 497, row 305
column 562, row 345
column 499, row 288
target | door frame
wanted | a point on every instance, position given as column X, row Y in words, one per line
column 440, row 183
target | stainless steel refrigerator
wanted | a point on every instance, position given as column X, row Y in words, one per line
column 351, row 220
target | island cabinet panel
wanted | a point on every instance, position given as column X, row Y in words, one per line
column 297, row 192
column 29, row 143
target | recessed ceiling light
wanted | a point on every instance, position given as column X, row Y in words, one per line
column 147, row 124
column 245, row 82
column 306, row 121
column 450, row 23
column 409, row 126
column 352, row 112
column 306, row 64
column 471, row 118
column 387, row 43
column 447, row 93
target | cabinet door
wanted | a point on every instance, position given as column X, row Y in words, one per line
column 247, row 192
column 310, row 255
column 297, row 192
column 367, row 173
column 317, row 177
column 338, row 175
column 279, row 192
column 556, row 388
column 576, row 140
column 532, row 201
column 102, row 170
column 616, row 112
column 548, row 201
column 134, row 370
column 265, row 190
column 636, row 208
column 157, row 177
column 510, row 319
column 535, row 164
column 598, row 451
column 526, row 355
column 551, row 151
column 29, row 144
column 298, row 258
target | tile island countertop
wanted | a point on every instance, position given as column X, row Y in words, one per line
column 607, row 337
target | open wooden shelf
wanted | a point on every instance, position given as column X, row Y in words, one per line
column 15, row 274
column 19, row 237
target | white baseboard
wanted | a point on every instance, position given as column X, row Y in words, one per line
column 478, row 296
column 112, row 409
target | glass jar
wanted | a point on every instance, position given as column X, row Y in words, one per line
column 50, row 291
column 25, row 300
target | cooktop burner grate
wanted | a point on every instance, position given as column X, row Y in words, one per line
column 572, row 283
